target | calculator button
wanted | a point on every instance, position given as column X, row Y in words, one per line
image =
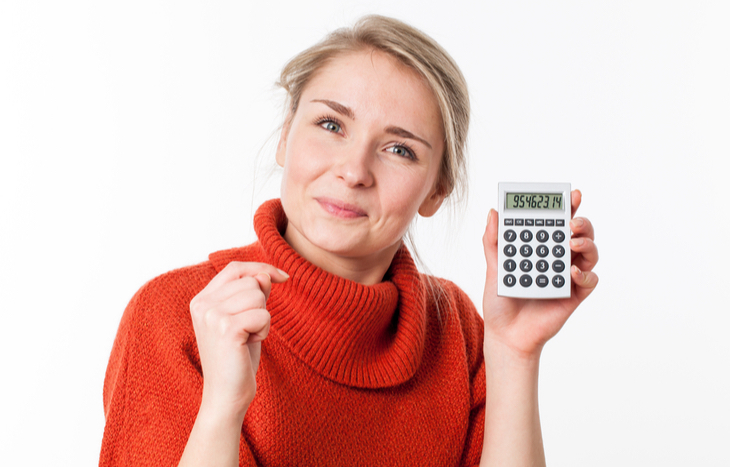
column 558, row 236
column 526, row 265
column 542, row 280
column 519, row 222
column 510, row 235
column 509, row 280
column 526, row 251
column 510, row 265
column 550, row 223
column 539, row 222
column 542, row 236
column 558, row 266
column 525, row 280
column 509, row 222
column 529, row 222
column 542, row 265
column 558, row 251
column 558, row 281
column 560, row 223
column 525, row 236
column 510, row 251
column 542, row 251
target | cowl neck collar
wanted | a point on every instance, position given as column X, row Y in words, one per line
column 353, row 334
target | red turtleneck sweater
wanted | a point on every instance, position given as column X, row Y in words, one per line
column 390, row 374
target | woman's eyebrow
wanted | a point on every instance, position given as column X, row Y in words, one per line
column 337, row 107
column 394, row 130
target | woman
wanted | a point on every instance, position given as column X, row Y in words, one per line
column 321, row 344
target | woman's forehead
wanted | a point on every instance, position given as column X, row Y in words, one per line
column 374, row 84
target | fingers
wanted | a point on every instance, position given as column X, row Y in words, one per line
column 238, row 269
column 253, row 325
column 237, row 277
column 235, row 291
column 575, row 199
column 582, row 227
column 264, row 282
column 585, row 253
column 584, row 282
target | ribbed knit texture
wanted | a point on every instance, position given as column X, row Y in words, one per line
column 349, row 374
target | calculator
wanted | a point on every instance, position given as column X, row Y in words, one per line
column 534, row 231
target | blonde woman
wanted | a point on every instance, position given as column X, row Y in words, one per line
column 321, row 343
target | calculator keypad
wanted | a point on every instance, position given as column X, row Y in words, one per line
column 542, row 247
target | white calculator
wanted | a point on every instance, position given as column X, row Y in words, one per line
column 534, row 231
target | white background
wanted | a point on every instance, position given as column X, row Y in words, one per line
column 131, row 134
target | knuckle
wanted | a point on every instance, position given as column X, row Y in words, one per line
column 233, row 265
column 196, row 305
column 249, row 282
column 260, row 298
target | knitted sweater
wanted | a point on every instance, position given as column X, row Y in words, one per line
column 390, row 374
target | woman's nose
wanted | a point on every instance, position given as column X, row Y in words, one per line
column 355, row 167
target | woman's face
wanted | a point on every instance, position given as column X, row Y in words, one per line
column 361, row 157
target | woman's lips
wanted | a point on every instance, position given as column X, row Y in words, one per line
column 339, row 209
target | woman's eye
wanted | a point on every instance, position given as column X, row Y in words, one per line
column 402, row 151
column 331, row 126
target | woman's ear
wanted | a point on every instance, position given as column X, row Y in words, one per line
column 432, row 203
column 281, row 147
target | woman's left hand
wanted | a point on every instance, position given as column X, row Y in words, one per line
column 525, row 325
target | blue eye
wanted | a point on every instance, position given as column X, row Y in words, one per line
column 403, row 151
column 329, row 123
column 331, row 126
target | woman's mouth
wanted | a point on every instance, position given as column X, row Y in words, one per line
column 340, row 209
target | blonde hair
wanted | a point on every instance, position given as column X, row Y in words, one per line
column 415, row 49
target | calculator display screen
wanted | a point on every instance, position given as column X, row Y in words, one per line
column 548, row 201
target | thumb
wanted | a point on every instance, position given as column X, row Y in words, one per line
column 489, row 240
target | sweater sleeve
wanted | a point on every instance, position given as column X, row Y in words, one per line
column 475, row 435
column 153, row 384
column 473, row 329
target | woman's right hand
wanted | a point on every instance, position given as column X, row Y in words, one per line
column 230, row 321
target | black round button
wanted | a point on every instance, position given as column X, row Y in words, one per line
column 510, row 265
column 542, row 251
column 542, row 265
column 558, row 281
column 510, row 235
column 542, row 280
column 525, row 235
column 542, row 236
column 510, row 251
column 558, row 236
column 526, row 251
column 509, row 280
column 558, row 266
column 525, row 280
column 558, row 251
column 526, row 265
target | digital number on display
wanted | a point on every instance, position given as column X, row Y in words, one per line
column 534, row 201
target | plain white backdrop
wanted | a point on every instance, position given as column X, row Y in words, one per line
column 137, row 137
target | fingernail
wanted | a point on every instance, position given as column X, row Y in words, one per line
column 577, row 222
column 489, row 216
column 283, row 273
column 577, row 242
column 577, row 271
